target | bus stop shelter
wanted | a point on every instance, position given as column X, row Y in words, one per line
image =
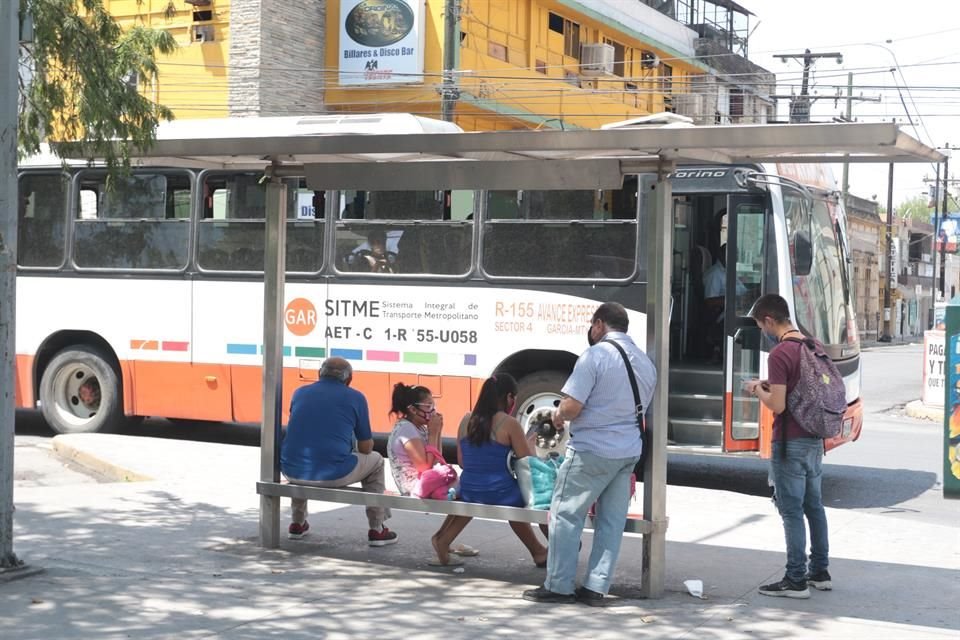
column 595, row 159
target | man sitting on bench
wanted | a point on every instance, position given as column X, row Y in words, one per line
column 326, row 418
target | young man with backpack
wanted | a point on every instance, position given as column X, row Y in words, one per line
column 806, row 394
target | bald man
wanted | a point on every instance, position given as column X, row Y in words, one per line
column 326, row 419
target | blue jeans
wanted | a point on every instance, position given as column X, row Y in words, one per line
column 585, row 478
column 796, row 481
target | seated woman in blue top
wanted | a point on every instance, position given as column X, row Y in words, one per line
column 484, row 439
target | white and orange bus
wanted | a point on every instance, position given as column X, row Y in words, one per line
column 145, row 299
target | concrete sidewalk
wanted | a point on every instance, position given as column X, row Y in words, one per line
column 176, row 556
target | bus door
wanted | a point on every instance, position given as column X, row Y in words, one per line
column 746, row 220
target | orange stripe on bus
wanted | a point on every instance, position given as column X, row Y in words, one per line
column 209, row 391
column 23, row 391
column 729, row 443
column 766, row 431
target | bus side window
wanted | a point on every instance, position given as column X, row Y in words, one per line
column 231, row 233
column 132, row 223
column 42, row 220
column 410, row 232
column 561, row 234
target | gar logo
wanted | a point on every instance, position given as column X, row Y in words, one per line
column 300, row 316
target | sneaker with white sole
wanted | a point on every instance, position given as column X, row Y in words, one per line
column 381, row 538
column 785, row 588
column 297, row 531
column 820, row 580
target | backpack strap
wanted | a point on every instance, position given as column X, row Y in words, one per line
column 786, row 412
column 638, row 405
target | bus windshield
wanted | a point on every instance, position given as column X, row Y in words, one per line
column 820, row 289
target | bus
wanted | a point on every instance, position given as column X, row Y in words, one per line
column 141, row 295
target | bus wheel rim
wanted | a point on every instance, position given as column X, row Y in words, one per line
column 530, row 412
column 71, row 394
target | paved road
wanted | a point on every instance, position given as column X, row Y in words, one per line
column 892, row 376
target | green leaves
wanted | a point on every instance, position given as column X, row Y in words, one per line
column 80, row 82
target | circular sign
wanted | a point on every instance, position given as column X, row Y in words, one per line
column 377, row 23
column 300, row 316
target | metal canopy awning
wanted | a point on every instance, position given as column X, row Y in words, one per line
column 521, row 159
column 180, row 144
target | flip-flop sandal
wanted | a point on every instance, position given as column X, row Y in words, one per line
column 464, row 551
column 451, row 562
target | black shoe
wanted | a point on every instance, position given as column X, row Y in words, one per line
column 820, row 580
column 785, row 589
column 589, row 597
column 542, row 594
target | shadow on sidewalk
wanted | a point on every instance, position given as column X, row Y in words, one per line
column 844, row 486
column 145, row 563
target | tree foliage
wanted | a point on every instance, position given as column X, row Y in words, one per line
column 80, row 81
column 916, row 208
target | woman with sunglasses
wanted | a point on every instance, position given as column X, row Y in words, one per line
column 418, row 425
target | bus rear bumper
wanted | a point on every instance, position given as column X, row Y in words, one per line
column 850, row 429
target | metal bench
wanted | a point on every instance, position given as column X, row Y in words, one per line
column 350, row 495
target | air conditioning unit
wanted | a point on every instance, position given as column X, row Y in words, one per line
column 596, row 59
column 649, row 60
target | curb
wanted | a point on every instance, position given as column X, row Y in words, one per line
column 114, row 472
column 917, row 409
column 19, row 572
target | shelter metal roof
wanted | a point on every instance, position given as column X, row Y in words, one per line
column 261, row 144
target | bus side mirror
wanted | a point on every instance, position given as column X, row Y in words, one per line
column 802, row 255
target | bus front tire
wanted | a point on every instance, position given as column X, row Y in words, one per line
column 80, row 392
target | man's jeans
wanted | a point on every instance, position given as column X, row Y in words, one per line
column 368, row 472
column 796, row 481
column 585, row 478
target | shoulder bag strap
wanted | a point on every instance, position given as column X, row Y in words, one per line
column 436, row 453
column 633, row 382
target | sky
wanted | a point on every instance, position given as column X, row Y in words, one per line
column 923, row 36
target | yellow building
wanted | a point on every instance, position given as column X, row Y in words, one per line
column 520, row 63
column 193, row 81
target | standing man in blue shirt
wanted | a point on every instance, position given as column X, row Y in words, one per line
column 604, row 447
column 326, row 419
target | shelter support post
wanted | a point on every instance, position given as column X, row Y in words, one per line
column 273, row 281
column 659, row 239
column 9, row 206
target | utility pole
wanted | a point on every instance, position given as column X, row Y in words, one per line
column 848, row 117
column 943, row 247
column 891, row 268
column 846, row 165
column 9, row 97
column 800, row 106
column 449, row 93
column 936, row 241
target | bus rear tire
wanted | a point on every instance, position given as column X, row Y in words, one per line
column 538, row 393
column 80, row 392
